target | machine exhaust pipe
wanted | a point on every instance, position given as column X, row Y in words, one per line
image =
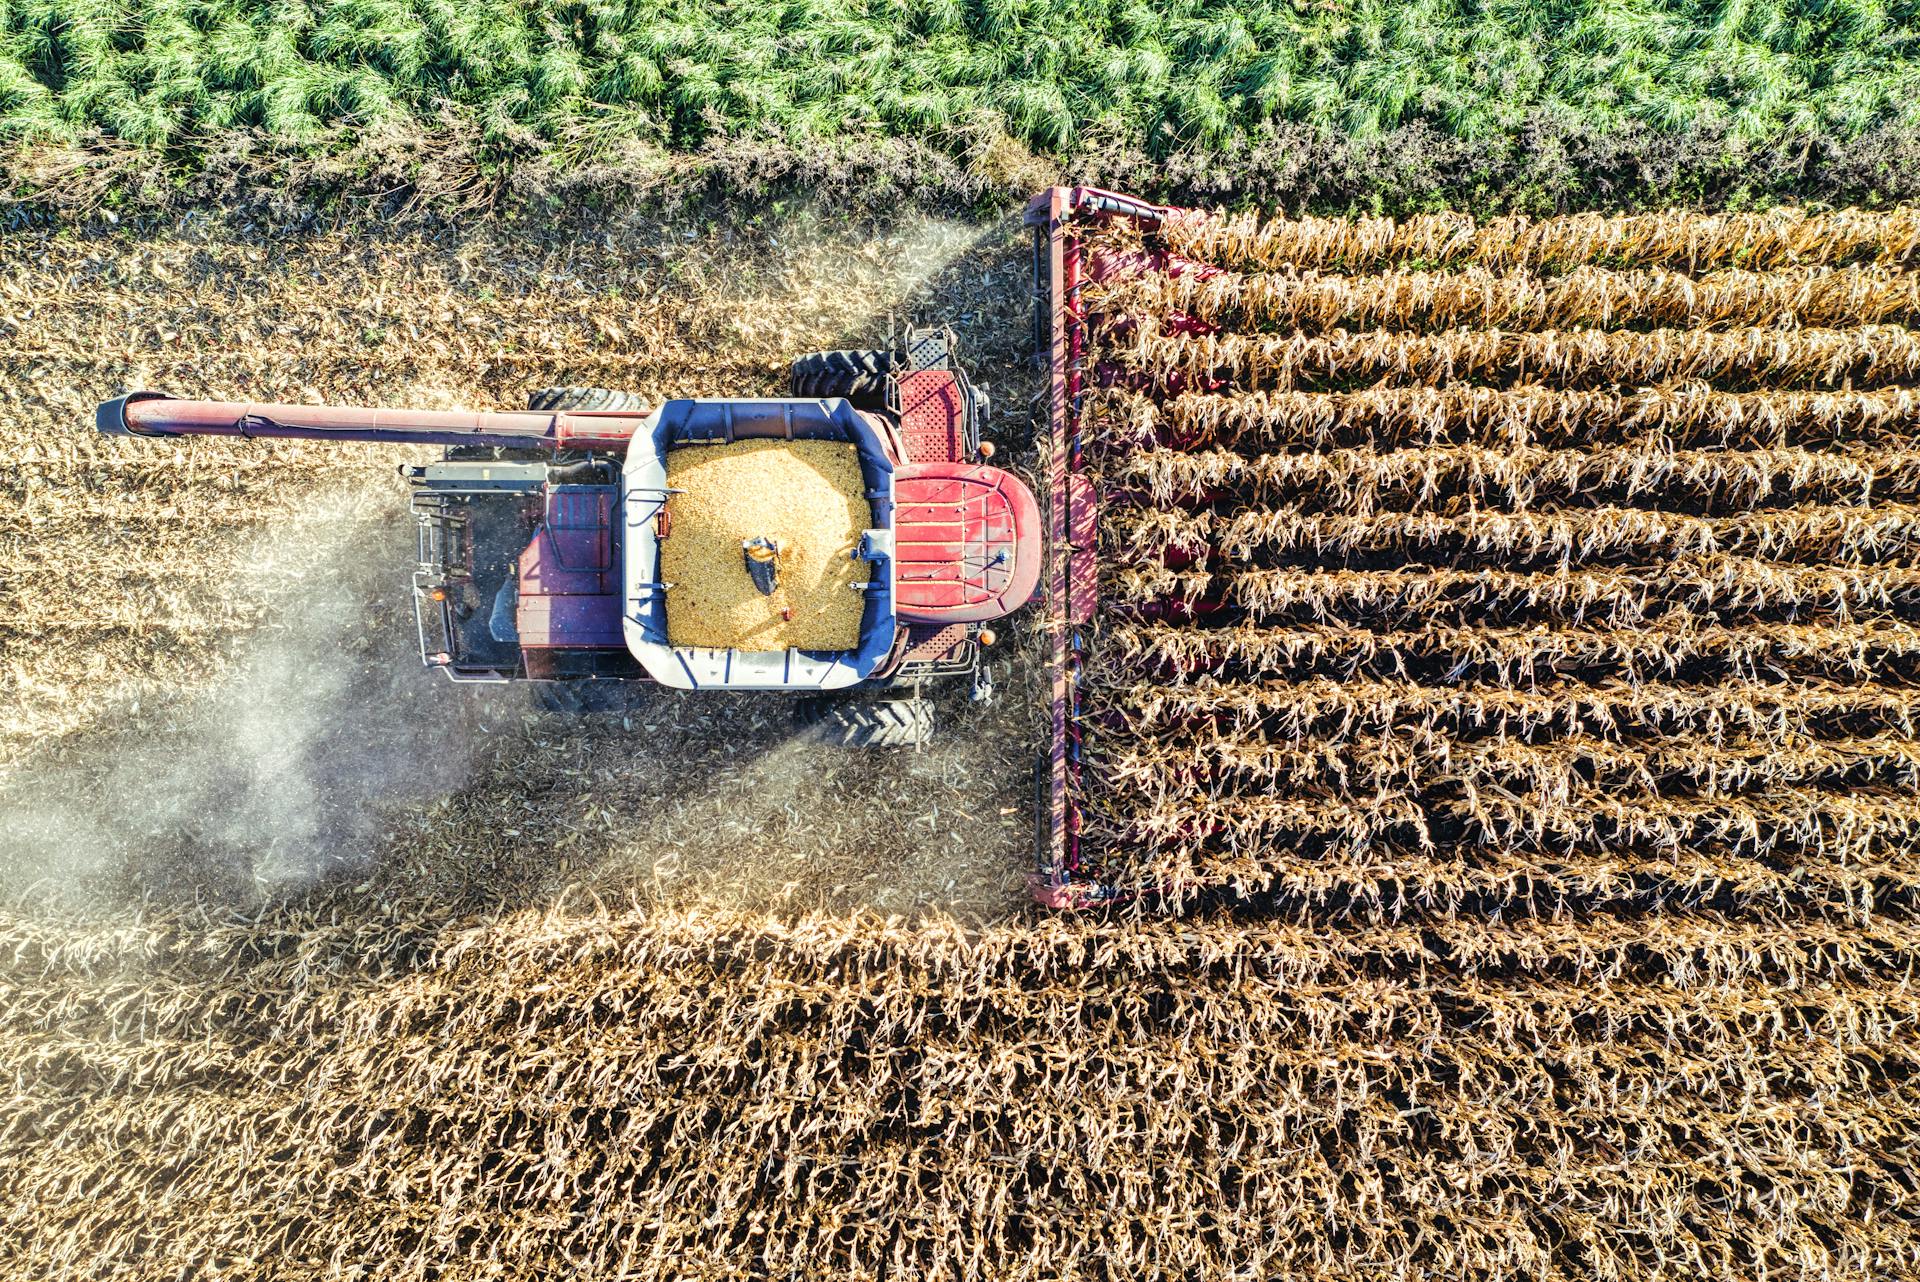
column 157, row 414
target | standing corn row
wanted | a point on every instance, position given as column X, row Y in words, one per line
column 1677, row 426
column 1527, row 571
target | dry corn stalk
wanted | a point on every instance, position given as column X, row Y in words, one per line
column 1422, row 478
column 1476, row 297
column 1341, row 709
column 1868, row 356
column 1698, row 589
column 1680, row 240
column 1446, row 651
column 1144, row 535
column 1561, row 772
column 1689, row 415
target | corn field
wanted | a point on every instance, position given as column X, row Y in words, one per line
column 618, row 1094
column 1512, row 737
column 1562, row 563
column 1545, row 575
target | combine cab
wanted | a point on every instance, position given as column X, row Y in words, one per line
column 542, row 534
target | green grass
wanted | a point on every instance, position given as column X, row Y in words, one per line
column 580, row 80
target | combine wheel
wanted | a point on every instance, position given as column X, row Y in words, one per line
column 582, row 398
column 854, row 723
column 860, row 376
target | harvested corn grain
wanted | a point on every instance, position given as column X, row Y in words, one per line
column 808, row 499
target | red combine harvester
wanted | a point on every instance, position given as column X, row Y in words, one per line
column 540, row 533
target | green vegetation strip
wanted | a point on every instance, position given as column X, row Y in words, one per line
column 583, row 82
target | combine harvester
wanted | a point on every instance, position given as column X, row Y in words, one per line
column 542, row 535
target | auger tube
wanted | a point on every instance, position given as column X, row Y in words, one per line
column 157, row 414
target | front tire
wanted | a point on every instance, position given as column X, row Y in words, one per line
column 857, row 723
column 859, row 376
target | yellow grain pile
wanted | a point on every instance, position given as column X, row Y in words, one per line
column 805, row 496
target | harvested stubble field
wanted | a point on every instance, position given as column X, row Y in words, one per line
column 1547, row 698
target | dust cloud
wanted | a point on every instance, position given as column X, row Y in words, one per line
column 282, row 769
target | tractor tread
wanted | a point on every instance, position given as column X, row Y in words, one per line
column 858, row 375
column 548, row 399
column 856, row 723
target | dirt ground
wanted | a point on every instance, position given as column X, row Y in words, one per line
column 208, row 681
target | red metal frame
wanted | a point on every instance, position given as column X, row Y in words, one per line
column 932, row 409
column 932, row 416
column 156, row 414
column 1060, row 880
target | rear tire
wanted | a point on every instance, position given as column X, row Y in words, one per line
column 859, row 376
column 856, row 723
column 548, row 399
